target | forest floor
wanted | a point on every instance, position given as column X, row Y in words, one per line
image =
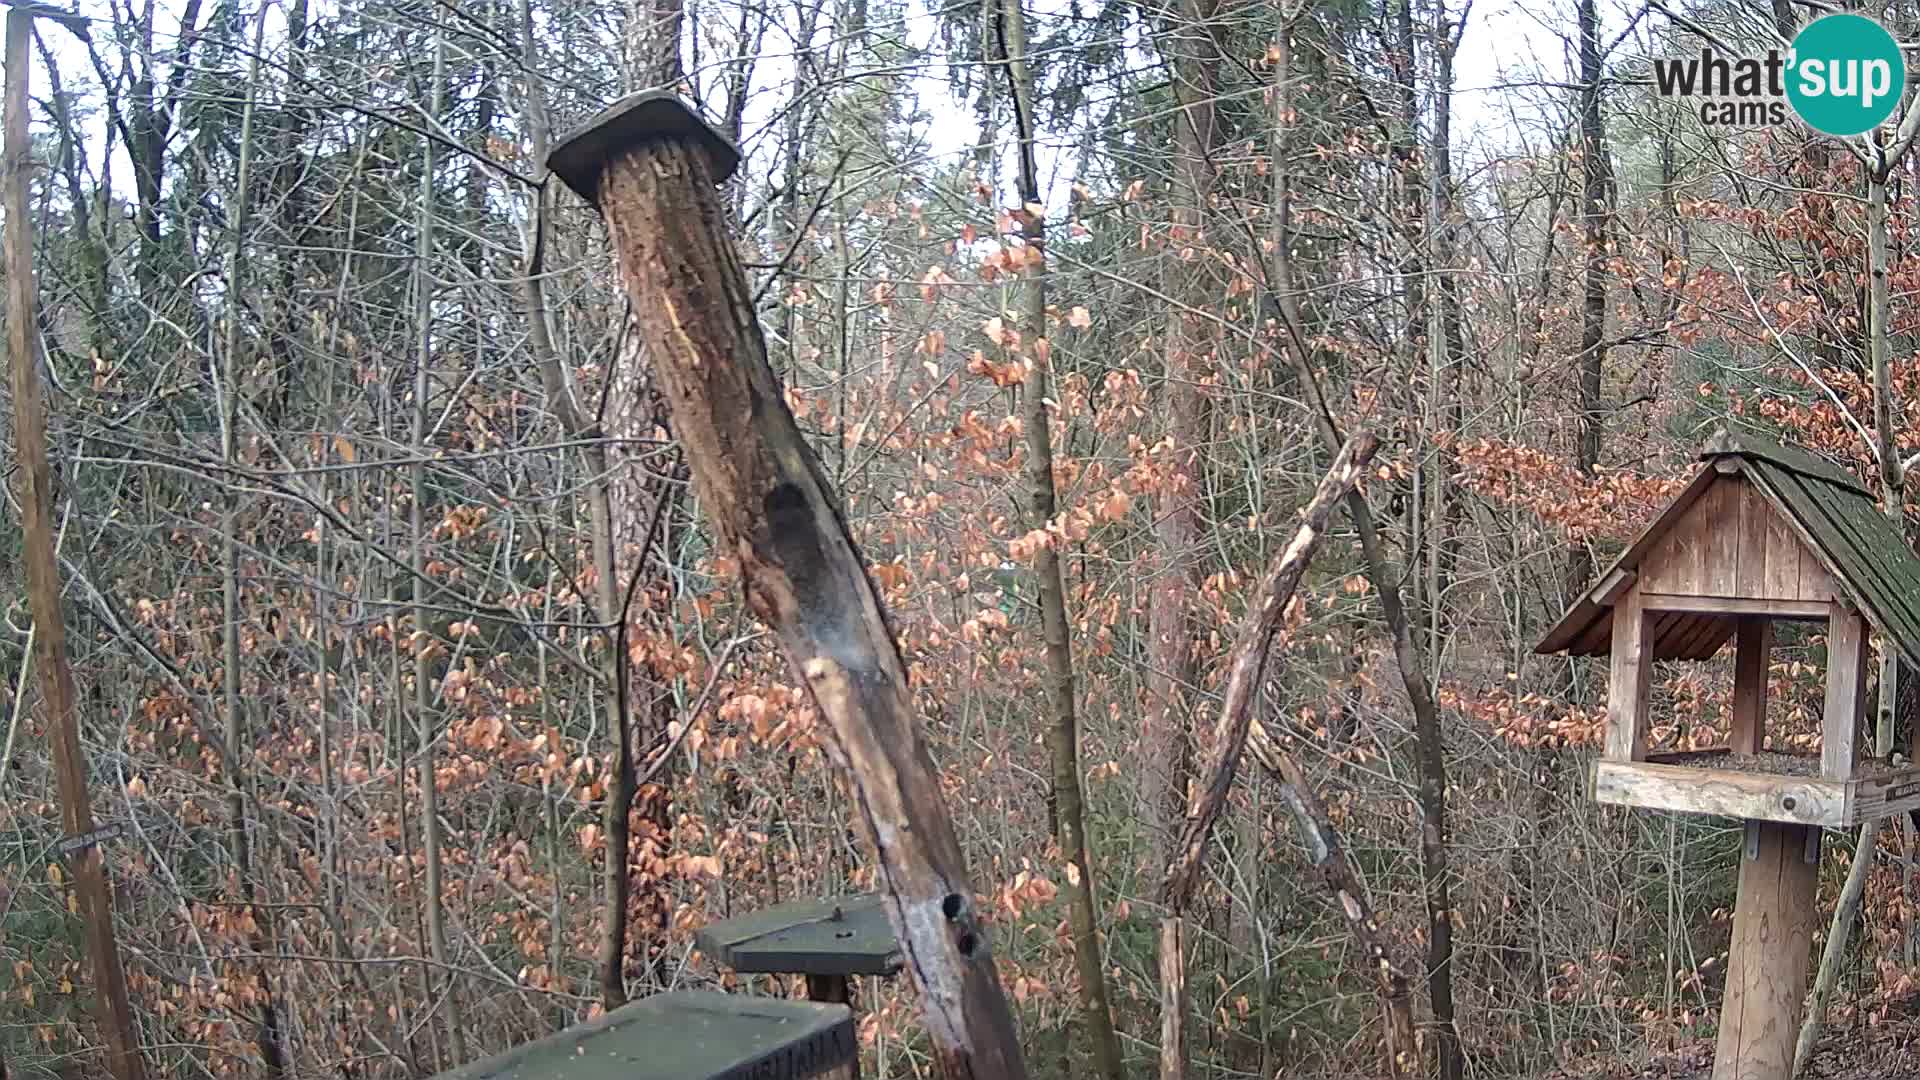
column 1891, row 1052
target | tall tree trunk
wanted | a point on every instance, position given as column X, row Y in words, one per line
column 1593, row 312
column 1172, row 665
column 426, row 729
column 34, row 477
column 266, row 1031
column 1445, row 339
column 637, row 499
column 1063, row 734
column 1892, row 485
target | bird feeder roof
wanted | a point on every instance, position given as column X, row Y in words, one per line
column 686, row 1035
column 1831, row 512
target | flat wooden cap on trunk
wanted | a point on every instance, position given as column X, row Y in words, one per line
column 634, row 120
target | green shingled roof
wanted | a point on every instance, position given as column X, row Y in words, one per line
column 1834, row 511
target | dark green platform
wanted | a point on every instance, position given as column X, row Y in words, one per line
column 847, row 935
column 685, row 1035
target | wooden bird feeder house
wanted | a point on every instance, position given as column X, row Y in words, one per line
column 1760, row 534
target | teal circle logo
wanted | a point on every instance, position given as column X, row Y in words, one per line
column 1847, row 74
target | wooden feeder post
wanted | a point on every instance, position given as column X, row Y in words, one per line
column 1761, row 534
column 651, row 166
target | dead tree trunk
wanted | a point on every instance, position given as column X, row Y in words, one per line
column 1249, row 660
column 652, row 168
column 1330, row 861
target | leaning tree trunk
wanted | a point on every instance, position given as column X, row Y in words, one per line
column 1436, row 875
column 652, row 167
column 35, row 479
column 1246, row 665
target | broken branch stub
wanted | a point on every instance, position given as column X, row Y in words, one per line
column 651, row 166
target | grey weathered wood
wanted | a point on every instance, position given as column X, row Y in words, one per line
column 1612, row 584
column 1671, row 781
column 1846, row 691
column 1631, row 677
column 1783, row 558
column 1730, row 793
column 1754, row 637
column 1750, row 558
column 1720, row 548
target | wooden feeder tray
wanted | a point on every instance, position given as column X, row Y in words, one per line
column 1769, row 786
column 846, row 935
column 686, row 1035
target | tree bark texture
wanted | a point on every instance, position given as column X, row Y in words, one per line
column 1173, row 668
column 771, row 508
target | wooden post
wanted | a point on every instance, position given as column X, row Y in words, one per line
column 1632, row 671
column 1846, row 691
column 43, row 574
column 833, row 990
column 651, row 166
column 1753, row 641
column 1767, row 966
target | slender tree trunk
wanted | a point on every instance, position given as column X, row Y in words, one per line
column 35, row 479
column 1445, row 339
column 635, row 499
column 1593, row 311
column 426, row 729
column 266, row 1032
column 1892, row 480
column 1063, row 735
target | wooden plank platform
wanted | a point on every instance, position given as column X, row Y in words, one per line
column 847, row 935
column 1669, row 782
